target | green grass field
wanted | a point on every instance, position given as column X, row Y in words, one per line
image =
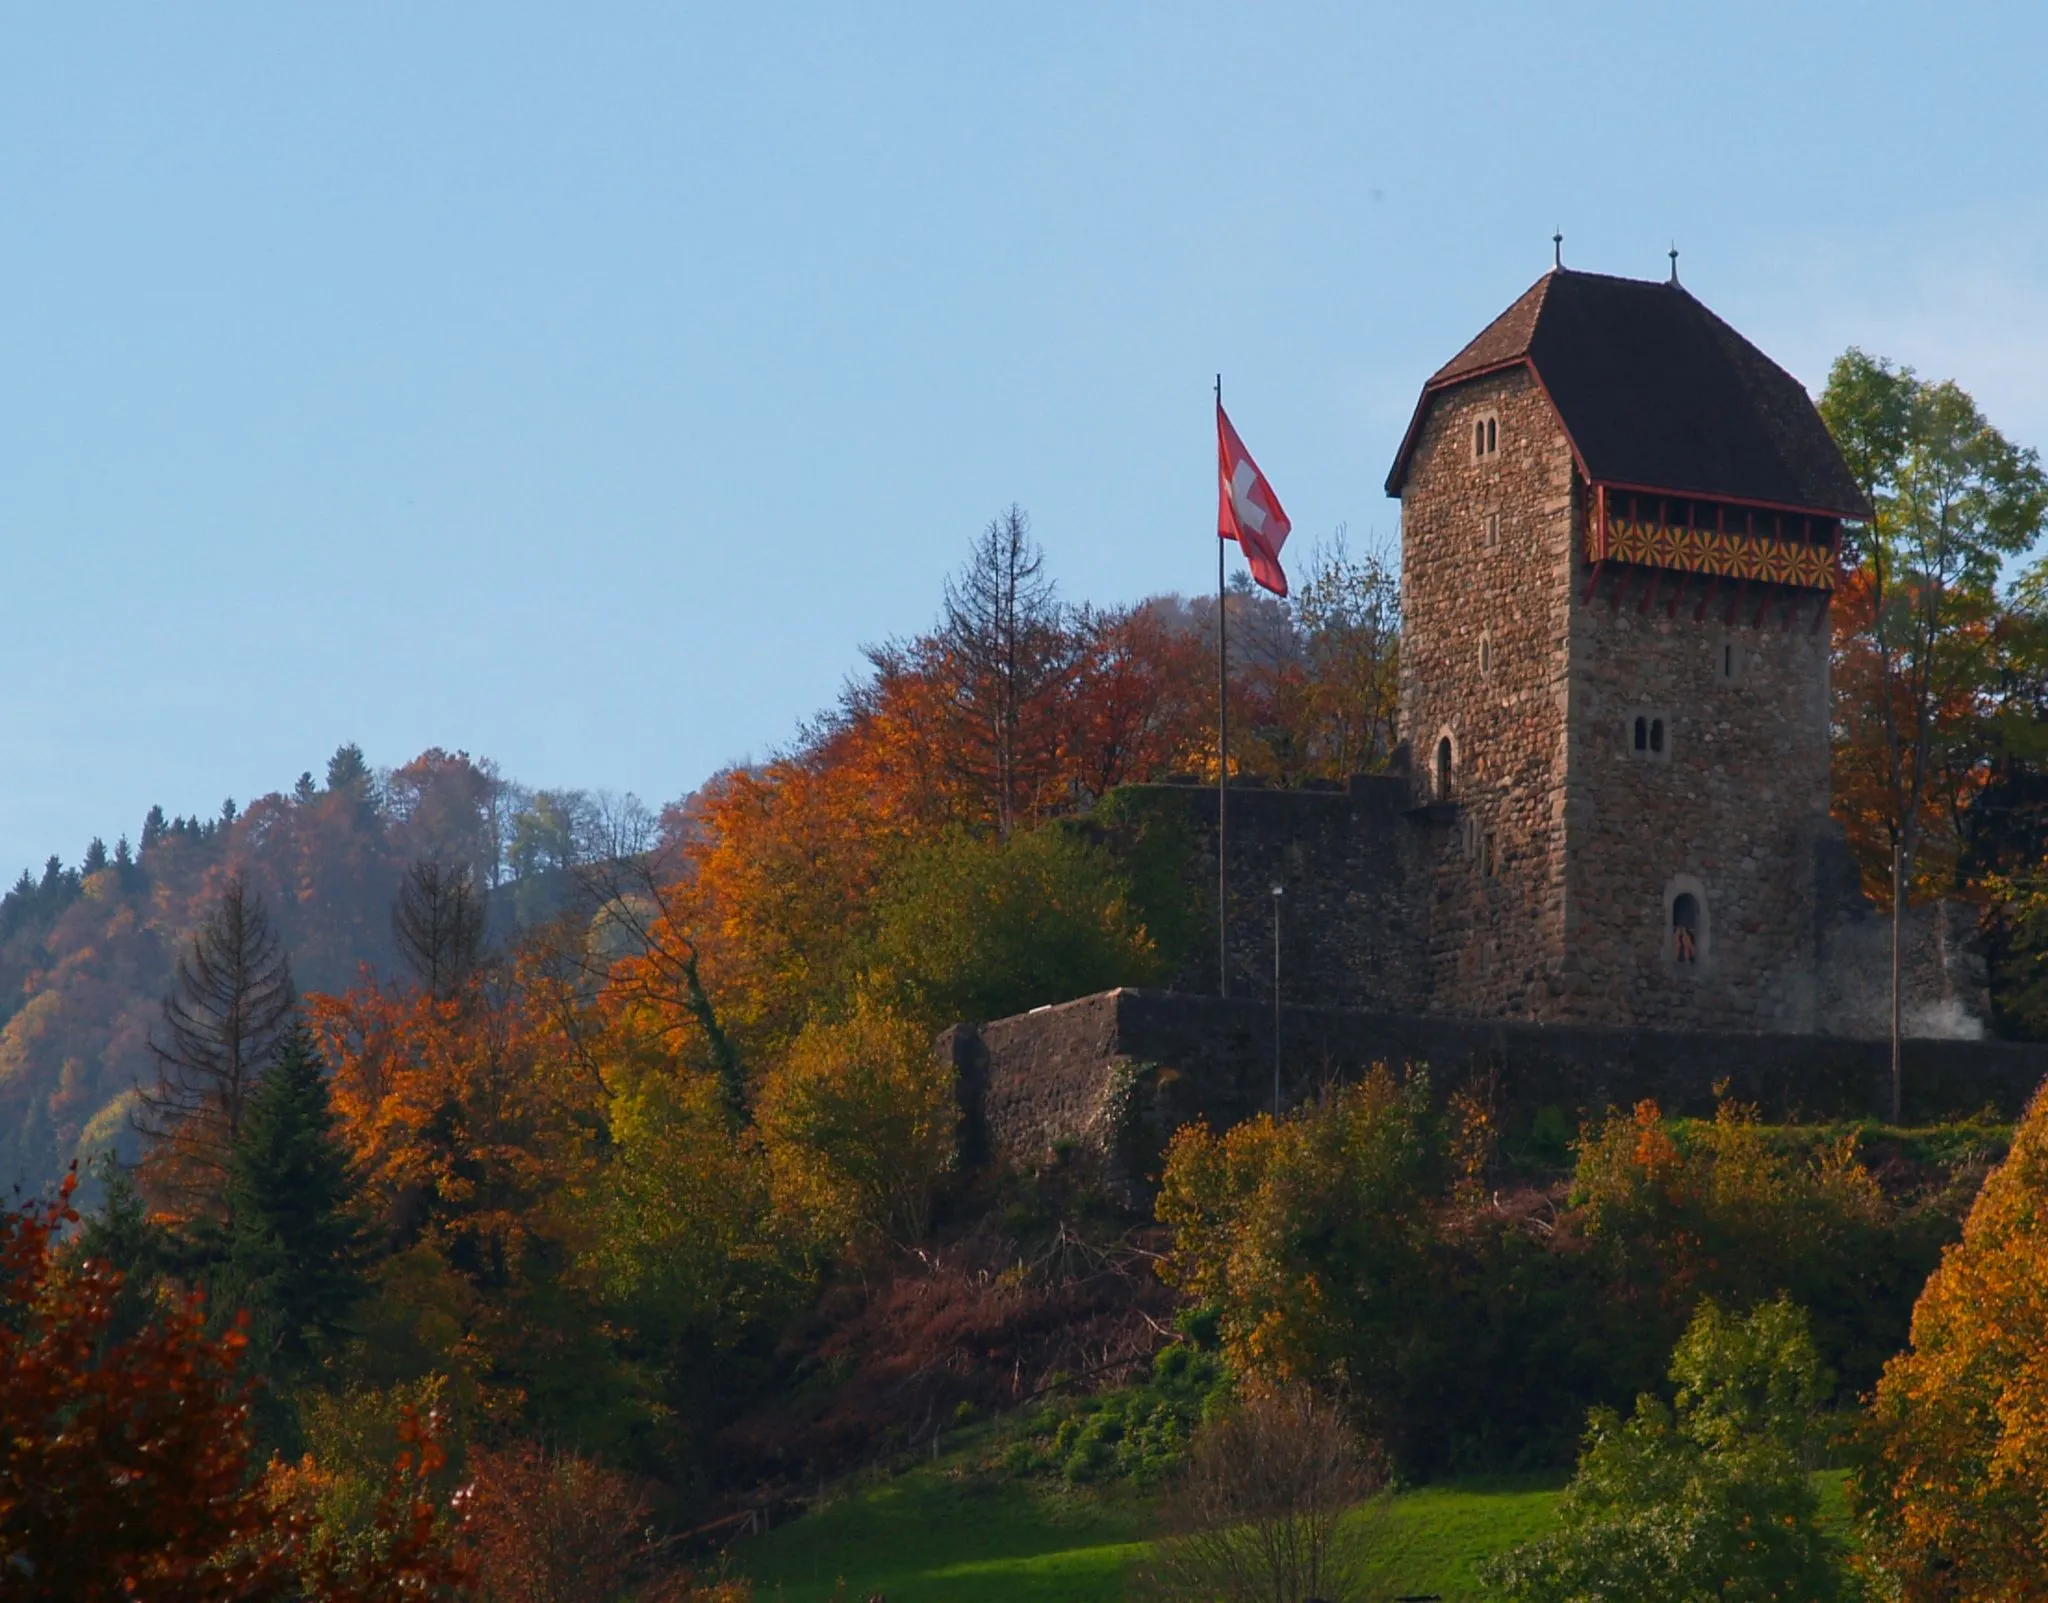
column 937, row 1534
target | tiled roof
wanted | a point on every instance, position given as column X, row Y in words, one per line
column 1657, row 392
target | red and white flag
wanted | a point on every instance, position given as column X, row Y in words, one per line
column 1248, row 511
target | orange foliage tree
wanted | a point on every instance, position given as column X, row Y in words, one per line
column 126, row 1473
column 1955, row 1490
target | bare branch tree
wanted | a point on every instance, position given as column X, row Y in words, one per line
column 438, row 922
column 1009, row 646
column 221, row 1024
column 1277, row 1505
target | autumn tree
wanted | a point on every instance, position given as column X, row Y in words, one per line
column 1952, row 500
column 220, row 1025
column 438, row 922
column 858, row 1123
column 1954, row 1493
column 126, row 1474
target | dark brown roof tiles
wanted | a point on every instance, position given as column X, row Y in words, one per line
column 1657, row 392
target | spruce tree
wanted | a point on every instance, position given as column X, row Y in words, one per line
column 294, row 1243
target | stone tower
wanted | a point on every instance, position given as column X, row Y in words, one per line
column 1620, row 523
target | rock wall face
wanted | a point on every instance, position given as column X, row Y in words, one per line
column 1486, row 564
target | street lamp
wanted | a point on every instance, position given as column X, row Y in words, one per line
column 1278, row 892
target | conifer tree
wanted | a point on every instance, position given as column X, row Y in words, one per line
column 438, row 922
column 293, row 1249
column 234, row 996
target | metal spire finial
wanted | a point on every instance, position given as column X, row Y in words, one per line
column 1674, row 261
column 1557, row 248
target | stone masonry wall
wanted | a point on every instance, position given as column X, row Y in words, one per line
column 1351, row 904
column 1485, row 594
column 1730, row 810
column 1115, row 1074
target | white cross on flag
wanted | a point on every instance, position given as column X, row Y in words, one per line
column 1248, row 511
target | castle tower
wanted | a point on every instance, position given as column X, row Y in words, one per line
column 1620, row 524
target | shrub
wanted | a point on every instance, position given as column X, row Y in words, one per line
column 1137, row 1433
column 1706, row 1499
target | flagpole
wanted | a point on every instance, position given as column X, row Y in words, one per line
column 1222, row 757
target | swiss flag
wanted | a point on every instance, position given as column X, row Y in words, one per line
column 1248, row 511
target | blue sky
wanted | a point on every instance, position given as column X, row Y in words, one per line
column 583, row 386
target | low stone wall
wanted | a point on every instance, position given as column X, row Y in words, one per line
column 1114, row 1074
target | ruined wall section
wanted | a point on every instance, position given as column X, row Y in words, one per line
column 1486, row 562
column 1731, row 810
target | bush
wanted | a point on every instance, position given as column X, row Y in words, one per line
column 1138, row 1434
column 1473, row 1324
column 1704, row 1500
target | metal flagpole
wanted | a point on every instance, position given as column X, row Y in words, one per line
column 1222, row 755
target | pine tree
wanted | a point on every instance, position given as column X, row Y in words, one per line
column 294, row 1242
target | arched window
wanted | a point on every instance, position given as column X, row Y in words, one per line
column 1443, row 769
column 1685, row 928
column 1647, row 734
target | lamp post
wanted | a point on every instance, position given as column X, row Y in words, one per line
column 1278, row 892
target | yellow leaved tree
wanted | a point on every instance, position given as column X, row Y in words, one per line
column 1955, row 1490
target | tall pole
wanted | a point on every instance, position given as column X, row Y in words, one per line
column 1222, row 756
column 1276, row 1001
column 1898, row 902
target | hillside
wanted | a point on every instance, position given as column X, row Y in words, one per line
column 88, row 952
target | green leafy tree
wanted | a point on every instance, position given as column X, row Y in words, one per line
column 1707, row 1498
column 1916, row 648
column 974, row 927
column 293, row 1249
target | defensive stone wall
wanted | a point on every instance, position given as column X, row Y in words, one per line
column 1347, row 861
column 1113, row 1075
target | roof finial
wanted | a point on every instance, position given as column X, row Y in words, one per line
column 1557, row 248
column 1674, row 261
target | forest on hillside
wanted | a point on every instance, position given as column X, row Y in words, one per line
column 532, row 1188
column 1017, row 709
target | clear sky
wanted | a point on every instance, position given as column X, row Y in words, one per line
column 583, row 385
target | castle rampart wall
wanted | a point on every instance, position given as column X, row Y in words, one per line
column 1115, row 1074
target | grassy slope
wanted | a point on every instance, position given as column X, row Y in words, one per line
column 931, row 1535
